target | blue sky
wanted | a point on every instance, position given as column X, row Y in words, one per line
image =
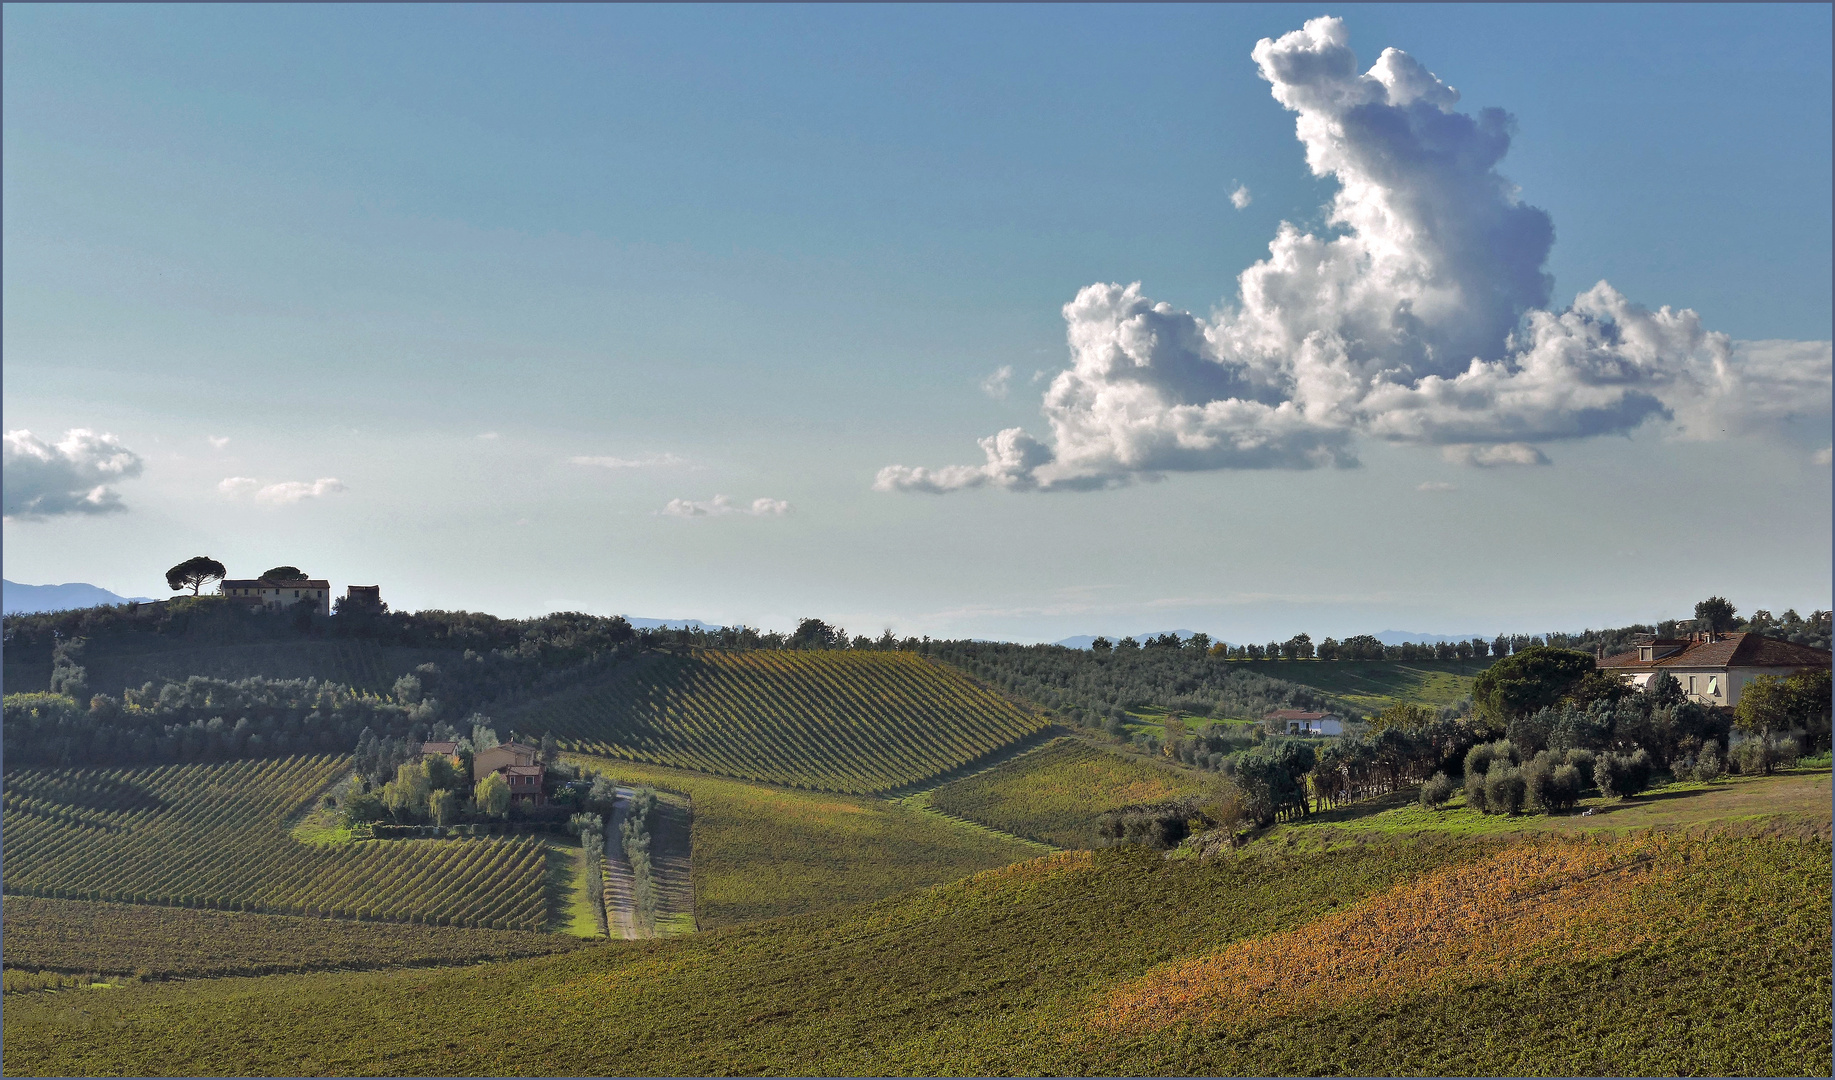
column 463, row 301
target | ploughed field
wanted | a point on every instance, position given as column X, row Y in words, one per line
column 1639, row 955
column 854, row 722
column 215, row 836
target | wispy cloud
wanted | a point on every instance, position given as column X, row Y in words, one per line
column 997, row 384
column 1823, row 456
column 1436, row 485
column 647, row 461
column 721, row 505
column 218, row 442
column 1240, row 198
column 282, row 493
column 489, row 435
column 1490, row 457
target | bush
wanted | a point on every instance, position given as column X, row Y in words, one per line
column 1539, row 781
column 1504, row 789
column 1569, row 782
column 1707, row 765
column 1621, row 776
column 1436, row 791
column 1475, row 790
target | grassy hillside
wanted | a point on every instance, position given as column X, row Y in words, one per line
column 1796, row 802
column 167, row 942
column 1374, row 685
column 858, row 722
column 116, row 665
column 1055, row 793
column 1640, row 956
column 215, row 836
column 761, row 852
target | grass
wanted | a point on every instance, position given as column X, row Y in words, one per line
column 856, row 722
column 1797, row 801
column 582, row 897
column 1643, row 955
column 761, row 852
column 166, row 942
column 217, row 836
column 1054, row 794
column 1374, row 685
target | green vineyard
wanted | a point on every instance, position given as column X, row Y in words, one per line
column 854, row 722
column 214, row 836
column 362, row 664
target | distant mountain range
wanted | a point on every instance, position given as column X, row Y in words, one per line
column 1387, row 637
column 27, row 599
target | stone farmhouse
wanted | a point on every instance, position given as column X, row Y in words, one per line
column 274, row 593
column 1299, row 722
column 1712, row 668
column 519, row 764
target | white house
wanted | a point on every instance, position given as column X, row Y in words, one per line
column 273, row 593
column 1297, row 722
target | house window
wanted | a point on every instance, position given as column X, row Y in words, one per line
column 1691, row 684
column 1714, row 685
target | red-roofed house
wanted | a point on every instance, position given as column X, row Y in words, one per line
column 1713, row 668
column 1299, row 722
column 520, row 765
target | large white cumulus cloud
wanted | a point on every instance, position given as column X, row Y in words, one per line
column 1424, row 319
column 70, row 476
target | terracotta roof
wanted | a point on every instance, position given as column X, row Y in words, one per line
column 522, row 770
column 439, row 748
column 1297, row 714
column 1730, row 650
column 264, row 583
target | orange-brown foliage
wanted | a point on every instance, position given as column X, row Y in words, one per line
column 1533, row 902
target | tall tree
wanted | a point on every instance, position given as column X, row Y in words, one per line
column 1527, row 680
column 1715, row 615
column 195, row 572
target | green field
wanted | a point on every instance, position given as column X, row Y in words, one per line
column 761, row 852
column 167, row 942
column 855, row 722
column 1055, row 793
column 1374, row 685
column 215, row 836
column 1645, row 955
column 362, row 664
column 1796, row 802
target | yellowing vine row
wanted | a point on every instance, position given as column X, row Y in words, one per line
column 857, row 722
column 214, row 836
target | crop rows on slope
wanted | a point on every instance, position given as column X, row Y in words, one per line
column 361, row 664
column 213, row 836
column 1055, row 794
column 856, row 722
column 165, row 942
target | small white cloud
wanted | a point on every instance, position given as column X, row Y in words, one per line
column 996, row 385
column 282, row 493
column 1436, row 486
column 1240, row 198
column 648, row 461
column 218, row 442
column 1823, row 456
column 488, row 435
column 1490, row 457
column 721, row 505
column 71, row 476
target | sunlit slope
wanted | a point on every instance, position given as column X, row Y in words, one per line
column 854, row 722
column 1641, row 956
column 214, row 836
column 761, row 851
column 1055, row 794
column 1374, row 685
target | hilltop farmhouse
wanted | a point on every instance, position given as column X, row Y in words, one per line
column 1712, row 668
column 280, row 592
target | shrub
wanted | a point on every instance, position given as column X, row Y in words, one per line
column 1707, row 765
column 1582, row 759
column 1475, row 791
column 1477, row 760
column 1436, row 791
column 1539, row 781
column 1504, row 788
column 1621, row 776
column 1569, row 782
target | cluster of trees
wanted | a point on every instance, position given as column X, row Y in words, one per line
column 200, row 720
column 590, row 828
column 635, row 833
column 394, row 780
